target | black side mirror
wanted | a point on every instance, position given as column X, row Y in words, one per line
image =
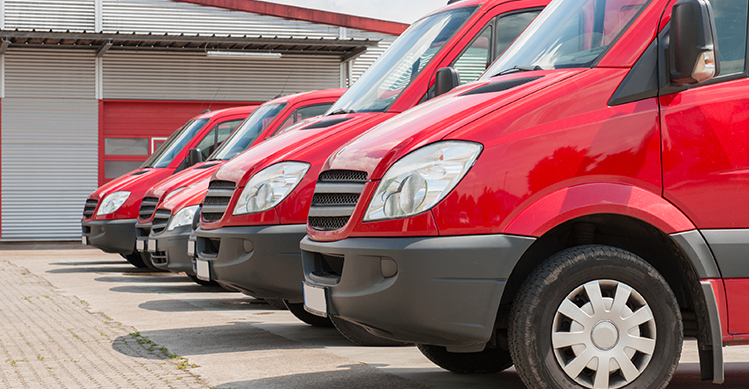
column 693, row 47
column 194, row 156
column 445, row 81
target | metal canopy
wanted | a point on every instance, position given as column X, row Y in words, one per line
column 102, row 42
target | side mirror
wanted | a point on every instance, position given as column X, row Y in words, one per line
column 194, row 156
column 693, row 47
column 446, row 79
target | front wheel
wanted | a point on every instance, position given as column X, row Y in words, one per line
column 595, row 317
column 490, row 360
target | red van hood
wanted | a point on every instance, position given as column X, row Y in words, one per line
column 283, row 147
column 193, row 195
column 184, row 178
column 376, row 150
column 126, row 181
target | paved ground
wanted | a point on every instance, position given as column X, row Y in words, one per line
column 78, row 318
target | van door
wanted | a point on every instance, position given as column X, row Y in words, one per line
column 705, row 135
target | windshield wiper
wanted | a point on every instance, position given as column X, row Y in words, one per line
column 518, row 68
column 341, row 111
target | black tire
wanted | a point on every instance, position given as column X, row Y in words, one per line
column 543, row 336
column 276, row 303
column 201, row 282
column 298, row 311
column 491, row 360
column 135, row 259
column 361, row 337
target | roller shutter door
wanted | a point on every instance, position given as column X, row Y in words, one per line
column 49, row 143
column 178, row 76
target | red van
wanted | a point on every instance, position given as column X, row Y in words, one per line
column 575, row 212
column 110, row 212
column 249, row 236
column 163, row 230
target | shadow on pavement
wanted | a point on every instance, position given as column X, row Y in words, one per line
column 688, row 376
column 230, row 338
column 145, row 277
column 187, row 305
column 170, row 289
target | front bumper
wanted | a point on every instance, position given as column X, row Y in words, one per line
column 111, row 236
column 171, row 248
column 262, row 261
column 432, row 290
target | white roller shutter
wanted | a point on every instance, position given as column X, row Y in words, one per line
column 364, row 61
column 49, row 143
column 178, row 76
column 58, row 15
column 163, row 16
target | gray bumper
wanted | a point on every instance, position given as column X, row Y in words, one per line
column 262, row 261
column 171, row 250
column 432, row 290
column 111, row 236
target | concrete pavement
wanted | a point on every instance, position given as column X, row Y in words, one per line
column 77, row 317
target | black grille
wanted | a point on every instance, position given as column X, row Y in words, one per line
column 158, row 258
column 89, row 208
column 343, row 175
column 335, row 199
column 328, row 223
column 336, row 195
column 160, row 220
column 147, row 207
column 216, row 200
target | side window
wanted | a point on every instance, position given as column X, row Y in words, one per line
column 302, row 113
column 216, row 135
column 509, row 27
column 476, row 58
column 730, row 24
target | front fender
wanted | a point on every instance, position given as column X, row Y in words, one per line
column 598, row 198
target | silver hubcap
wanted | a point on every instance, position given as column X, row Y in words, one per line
column 603, row 335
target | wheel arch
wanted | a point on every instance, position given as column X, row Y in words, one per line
column 683, row 259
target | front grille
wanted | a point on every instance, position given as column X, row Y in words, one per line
column 158, row 258
column 89, row 208
column 160, row 220
column 217, row 200
column 147, row 207
column 335, row 198
column 143, row 231
column 343, row 175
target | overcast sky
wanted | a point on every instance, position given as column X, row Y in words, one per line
column 407, row 11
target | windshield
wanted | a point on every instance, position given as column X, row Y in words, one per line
column 379, row 87
column 567, row 34
column 247, row 132
column 176, row 142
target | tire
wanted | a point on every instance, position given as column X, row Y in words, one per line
column 361, row 337
column 201, row 282
column 298, row 311
column 135, row 259
column 276, row 303
column 491, row 360
column 591, row 284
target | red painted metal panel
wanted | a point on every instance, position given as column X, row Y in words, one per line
column 737, row 297
column 306, row 14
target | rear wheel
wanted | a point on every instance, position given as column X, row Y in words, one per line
column 359, row 336
column 135, row 259
column 300, row 313
column 491, row 360
column 595, row 317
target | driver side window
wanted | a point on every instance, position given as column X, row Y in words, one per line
column 216, row 136
column 476, row 58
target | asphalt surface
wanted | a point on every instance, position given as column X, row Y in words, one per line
column 74, row 317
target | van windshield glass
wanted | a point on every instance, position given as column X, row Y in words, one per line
column 244, row 136
column 378, row 88
column 568, row 34
column 176, row 142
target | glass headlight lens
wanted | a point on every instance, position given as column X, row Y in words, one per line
column 418, row 181
column 183, row 218
column 174, row 192
column 112, row 202
column 270, row 186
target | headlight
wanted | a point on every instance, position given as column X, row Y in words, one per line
column 174, row 192
column 270, row 186
column 112, row 202
column 183, row 218
column 418, row 181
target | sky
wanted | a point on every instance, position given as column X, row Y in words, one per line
column 395, row 10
